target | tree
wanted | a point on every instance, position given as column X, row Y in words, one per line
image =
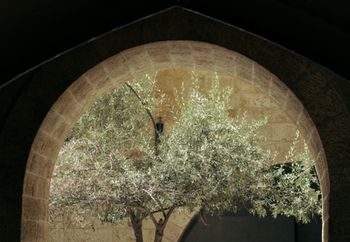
column 116, row 163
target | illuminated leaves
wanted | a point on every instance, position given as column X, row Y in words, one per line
column 207, row 159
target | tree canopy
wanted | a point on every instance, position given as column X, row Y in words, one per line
column 116, row 163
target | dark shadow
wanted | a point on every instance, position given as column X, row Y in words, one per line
column 243, row 227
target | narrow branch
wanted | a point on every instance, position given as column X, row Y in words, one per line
column 153, row 219
column 148, row 213
column 156, row 134
column 202, row 218
column 143, row 103
column 156, row 200
column 166, row 218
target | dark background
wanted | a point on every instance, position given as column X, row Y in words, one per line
column 33, row 31
column 242, row 227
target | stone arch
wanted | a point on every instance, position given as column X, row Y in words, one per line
column 126, row 65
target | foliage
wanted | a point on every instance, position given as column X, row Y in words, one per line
column 115, row 164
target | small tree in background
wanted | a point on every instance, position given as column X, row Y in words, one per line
column 117, row 164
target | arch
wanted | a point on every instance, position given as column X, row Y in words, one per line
column 186, row 55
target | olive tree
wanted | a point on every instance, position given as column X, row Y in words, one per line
column 118, row 162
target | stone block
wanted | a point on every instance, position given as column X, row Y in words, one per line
column 173, row 231
column 224, row 60
column 167, row 240
column 325, row 207
column 281, row 148
column 181, row 217
column 45, row 145
column 278, row 91
column 305, row 123
column 51, row 121
column 43, row 232
column 323, row 177
column 36, row 186
column 183, row 62
column 156, row 45
column 262, row 78
column 293, row 106
column 277, row 115
column 40, row 165
column 148, row 224
column 245, row 86
column 116, row 68
column 180, row 48
column 148, row 234
column 35, row 209
column 138, row 63
column 67, row 107
column 74, row 235
column 246, row 101
column 121, row 235
column 56, row 235
column 203, row 62
column 96, row 75
column 81, row 89
column 29, row 231
column 314, row 143
column 170, row 79
column 283, row 131
column 254, row 113
column 265, row 131
column 202, row 48
column 181, row 54
column 325, row 230
column 62, row 128
column 134, row 52
column 159, row 55
column 226, row 81
column 244, row 67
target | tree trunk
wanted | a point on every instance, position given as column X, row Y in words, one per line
column 138, row 231
column 137, row 227
column 158, row 236
column 161, row 224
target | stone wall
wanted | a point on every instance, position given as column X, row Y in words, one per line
column 247, row 96
column 122, row 231
column 168, row 57
column 27, row 103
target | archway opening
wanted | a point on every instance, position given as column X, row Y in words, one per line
column 171, row 58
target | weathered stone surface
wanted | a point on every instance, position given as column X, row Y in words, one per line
column 250, row 95
column 42, row 227
column 35, row 209
column 80, row 89
column 256, row 91
column 283, row 131
column 278, row 90
column 96, row 75
column 36, row 186
column 122, row 231
column 38, row 164
column 45, row 145
column 159, row 55
column 67, row 106
column 51, row 119
column 29, row 231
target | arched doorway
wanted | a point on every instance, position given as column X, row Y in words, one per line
column 158, row 56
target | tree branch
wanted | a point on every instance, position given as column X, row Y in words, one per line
column 156, row 133
column 202, row 218
column 143, row 104
column 166, row 218
column 157, row 201
column 153, row 219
